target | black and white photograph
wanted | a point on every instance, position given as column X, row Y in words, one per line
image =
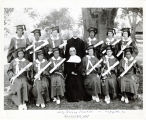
column 73, row 58
column 88, row 58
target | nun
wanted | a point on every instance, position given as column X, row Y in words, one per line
column 74, row 81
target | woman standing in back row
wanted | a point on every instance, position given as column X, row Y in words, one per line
column 18, row 41
column 55, row 41
column 92, row 40
column 125, row 43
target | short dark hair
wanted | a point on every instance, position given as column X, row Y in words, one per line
column 93, row 32
column 22, row 32
column 108, row 32
column 129, row 34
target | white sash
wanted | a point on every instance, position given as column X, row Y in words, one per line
column 20, row 72
column 128, row 68
column 57, row 65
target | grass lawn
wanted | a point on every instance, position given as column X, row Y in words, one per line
column 82, row 105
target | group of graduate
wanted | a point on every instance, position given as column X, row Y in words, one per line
column 91, row 69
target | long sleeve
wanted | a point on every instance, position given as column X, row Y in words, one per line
column 67, row 50
column 11, row 49
column 84, row 66
column 135, row 49
column 10, row 71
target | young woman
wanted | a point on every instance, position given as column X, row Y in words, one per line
column 18, row 41
column 128, row 81
column 92, row 40
column 109, row 80
column 126, row 39
column 55, row 41
column 57, row 77
column 74, row 81
column 19, row 90
column 38, row 42
column 110, row 40
column 41, row 84
column 92, row 81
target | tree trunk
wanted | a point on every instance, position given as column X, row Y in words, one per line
column 99, row 18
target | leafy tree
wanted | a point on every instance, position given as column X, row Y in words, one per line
column 133, row 14
column 101, row 18
column 59, row 18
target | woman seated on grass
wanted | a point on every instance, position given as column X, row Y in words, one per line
column 57, row 77
column 19, row 90
column 41, row 84
column 129, row 82
column 92, row 81
column 109, row 80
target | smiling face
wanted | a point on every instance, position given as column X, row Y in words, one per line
column 91, row 52
column 54, row 32
column 75, row 33
column 92, row 34
column 20, row 54
column 72, row 51
column 128, row 55
column 19, row 32
column 56, row 54
column 109, row 53
column 125, row 34
column 110, row 34
column 37, row 36
column 40, row 57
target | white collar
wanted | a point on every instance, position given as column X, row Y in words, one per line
column 74, row 59
column 131, row 59
column 17, row 60
column 108, row 40
column 89, row 57
column 74, row 37
column 52, row 38
column 22, row 37
column 90, row 39
column 129, row 39
column 55, row 58
column 107, row 57
column 37, row 61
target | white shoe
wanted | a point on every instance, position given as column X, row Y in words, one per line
column 24, row 107
column 54, row 100
column 20, row 107
column 93, row 97
column 126, row 100
column 43, row 105
column 122, row 98
column 58, row 101
column 107, row 99
column 97, row 99
column 37, row 105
